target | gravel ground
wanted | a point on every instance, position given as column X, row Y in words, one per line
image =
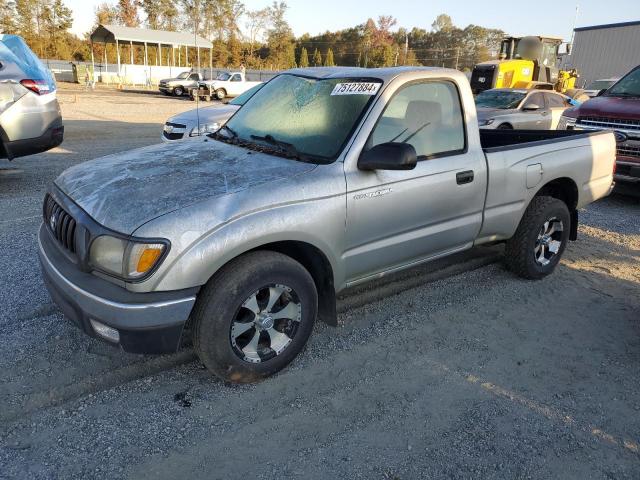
column 453, row 370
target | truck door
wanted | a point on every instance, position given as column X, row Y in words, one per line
column 395, row 218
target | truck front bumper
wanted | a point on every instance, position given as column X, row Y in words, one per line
column 137, row 322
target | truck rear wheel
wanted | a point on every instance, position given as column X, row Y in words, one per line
column 540, row 240
column 254, row 317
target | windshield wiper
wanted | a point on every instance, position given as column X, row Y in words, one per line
column 285, row 147
column 233, row 134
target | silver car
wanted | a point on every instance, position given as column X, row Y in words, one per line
column 30, row 118
column 202, row 121
column 511, row 108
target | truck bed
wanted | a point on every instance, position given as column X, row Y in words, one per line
column 520, row 162
column 498, row 140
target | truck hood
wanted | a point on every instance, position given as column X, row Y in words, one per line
column 616, row 107
column 207, row 115
column 124, row 191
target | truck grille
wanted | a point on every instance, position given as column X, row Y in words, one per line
column 174, row 131
column 612, row 123
column 60, row 224
column 624, row 150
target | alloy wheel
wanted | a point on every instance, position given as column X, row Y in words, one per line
column 549, row 241
column 266, row 323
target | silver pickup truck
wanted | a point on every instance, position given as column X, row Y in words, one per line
column 325, row 179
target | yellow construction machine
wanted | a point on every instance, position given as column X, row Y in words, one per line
column 526, row 62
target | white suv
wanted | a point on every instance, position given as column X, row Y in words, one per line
column 30, row 118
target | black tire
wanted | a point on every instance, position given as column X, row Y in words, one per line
column 504, row 126
column 221, row 94
column 178, row 91
column 220, row 305
column 523, row 248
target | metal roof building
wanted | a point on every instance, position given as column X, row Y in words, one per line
column 119, row 35
column 605, row 51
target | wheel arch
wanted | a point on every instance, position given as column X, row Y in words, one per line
column 319, row 267
column 566, row 190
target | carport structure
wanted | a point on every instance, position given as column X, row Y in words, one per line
column 119, row 35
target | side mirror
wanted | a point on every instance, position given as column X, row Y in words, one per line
column 389, row 156
column 531, row 107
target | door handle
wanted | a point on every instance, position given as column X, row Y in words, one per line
column 464, row 177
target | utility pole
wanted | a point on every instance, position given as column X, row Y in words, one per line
column 573, row 31
column 457, row 56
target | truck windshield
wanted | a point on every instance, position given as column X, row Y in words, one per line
column 502, row 99
column 600, row 84
column 629, row 86
column 312, row 117
column 223, row 77
column 183, row 75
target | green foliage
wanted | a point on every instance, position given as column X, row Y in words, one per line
column 266, row 41
column 328, row 59
column 304, row 58
column 317, row 58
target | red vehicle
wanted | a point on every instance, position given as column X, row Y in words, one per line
column 618, row 109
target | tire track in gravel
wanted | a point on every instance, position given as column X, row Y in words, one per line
column 102, row 380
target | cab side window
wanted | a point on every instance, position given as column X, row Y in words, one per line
column 426, row 115
column 194, row 76
column 556, row 101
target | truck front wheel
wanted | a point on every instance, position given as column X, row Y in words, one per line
column 254, row 316
column 539, row 242
column 178, row 91
column 221, row 94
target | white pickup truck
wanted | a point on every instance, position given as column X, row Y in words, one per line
column 227, row 84
column 326, row 178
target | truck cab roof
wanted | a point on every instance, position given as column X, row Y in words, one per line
column 384, row 74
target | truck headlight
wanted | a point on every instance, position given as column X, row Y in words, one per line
column 566, row 123
column 487, row 122
column 204, row 129
column 126, row 259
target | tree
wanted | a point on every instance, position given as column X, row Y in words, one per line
column 24, row 20
column 256, row 24
column 153, row 11
column 280, row 38
column 328, row 60
column 304, row 58
column 7, row 16
column 128, row 13
column 58, row 21
column 106, row 14
column 442, row 22
column 317, row 58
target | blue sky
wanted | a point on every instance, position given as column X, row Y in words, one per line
column 549, row 17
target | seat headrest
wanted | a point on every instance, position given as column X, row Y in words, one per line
column 420, row 112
